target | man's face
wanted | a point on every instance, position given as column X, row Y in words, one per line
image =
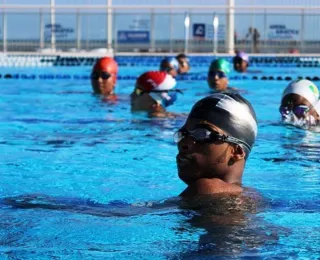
column 217, row 80
column 184, row 65
column 197, row 160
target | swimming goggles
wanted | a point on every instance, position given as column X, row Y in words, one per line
column 218, row 73
column 140, row 91
column 203, row 135
column 184, row 62
column 299, row 111
column 103, row 75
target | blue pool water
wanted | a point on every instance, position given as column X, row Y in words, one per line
column 92, row 171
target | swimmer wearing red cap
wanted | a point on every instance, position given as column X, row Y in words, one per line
column 153, row 92
column 104, row 77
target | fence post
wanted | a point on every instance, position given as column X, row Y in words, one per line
column 78, row 30
column 215, row 24
column 171, row 29
column 265, row 33
column 302, row 31
column 109, row 21
column 152, row 47
column 53, row 26
column 230, row 28
column 41, row 30
column 186, row 32
column 4, row 30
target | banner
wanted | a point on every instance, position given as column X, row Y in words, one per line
column 133, row 36
column 281, row 32
column 202, row 31
column 60, row 32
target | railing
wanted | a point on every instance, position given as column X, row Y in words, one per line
column 158, row 28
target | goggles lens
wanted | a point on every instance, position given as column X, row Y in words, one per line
column 203, row 135
column 200, row 135
column 103, row 75
column 184, row 63
column 299, row 111
column 218, row 73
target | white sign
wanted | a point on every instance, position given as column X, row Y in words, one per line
column 59, row 31
column 221, row 32
column 140, row 24
column 281, row 32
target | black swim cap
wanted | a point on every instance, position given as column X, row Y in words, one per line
column 231, row 113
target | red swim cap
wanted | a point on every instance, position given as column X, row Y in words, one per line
column 155, row 80
column 106, row 64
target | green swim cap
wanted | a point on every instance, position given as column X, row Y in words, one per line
column 220, row 64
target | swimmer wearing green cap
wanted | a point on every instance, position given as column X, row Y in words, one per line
column 214, row 144
column 218, row 75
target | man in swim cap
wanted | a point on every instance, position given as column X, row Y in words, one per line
column 299, row 103
column 241, row 62
column 170, row 66
column 218, row 75
column 153, row 92
column 184, row 65
column 215, row 143
column 104, row 77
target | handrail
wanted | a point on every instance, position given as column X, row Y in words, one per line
column 164, row 7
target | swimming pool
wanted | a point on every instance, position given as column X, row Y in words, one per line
column 93, row 169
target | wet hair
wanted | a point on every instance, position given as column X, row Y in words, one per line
column 181, row 56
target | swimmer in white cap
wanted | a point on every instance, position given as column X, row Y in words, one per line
column 241, row 62
column 300, row 103
column 214, row 144
column 170, row 65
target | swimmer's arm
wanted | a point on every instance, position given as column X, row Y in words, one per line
column 207, row 186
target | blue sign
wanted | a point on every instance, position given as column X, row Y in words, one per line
column 133, row 36
column 199, row 30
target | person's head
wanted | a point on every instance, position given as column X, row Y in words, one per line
column 298, row 103
column 241, row 62
column 184, row 65
column 104, row 76
column 216, row 139
column 153, row 92
column 218, row 74
column 170, row 66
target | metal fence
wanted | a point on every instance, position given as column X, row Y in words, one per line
column 258, row 29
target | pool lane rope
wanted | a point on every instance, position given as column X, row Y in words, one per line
column 121, row 77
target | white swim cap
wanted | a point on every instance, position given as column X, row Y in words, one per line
column 304, row 88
